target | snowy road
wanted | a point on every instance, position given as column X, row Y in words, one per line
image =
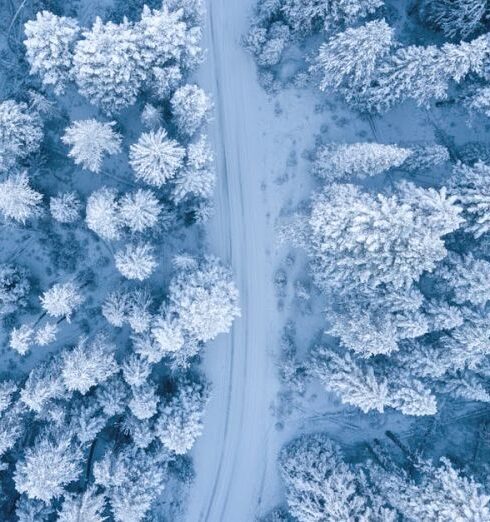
column 232, row 456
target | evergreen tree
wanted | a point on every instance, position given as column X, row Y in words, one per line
column 144, row 401
column 18, row 201
column 136, row 261
column 190, row 107
column 62, row 300
column 65, row 207
column 20, row 133
column 14, row 288
column 49, row 42
column 88, row 364
column 90, row 141
column 102, row 214
column 156, row 158
column 87, row 506
column 52, row 463
column 338, row 161
column 139, row 210
column 349, row 60
column 108, row 65
column 179, row 421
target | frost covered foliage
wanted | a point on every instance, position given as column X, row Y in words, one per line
column 322, row 485
column 90, row 141
column 203, row 299
column 49, row 43
column 65, row 207
column 360, row 238
column 113, row 63
column 190, row 107
column 156, row 158
column 62, row 300
column 102, row 214
column 456, row 18
column 18, row 201
column 136, row 261
column 14, row 288
column 340, row 161
column 20, row 133
column 277, row 22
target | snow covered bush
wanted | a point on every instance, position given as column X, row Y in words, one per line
column 102, row 214
column 20, row 133
column 90, row 140
column 108, row 65
column 156, row 158
column 21, row 339
column 136, row 261
column 49, row 42
column 65, row 207
column 62, row 300
column 338, row 161
column 18, row 201
column 46, row 334
column 14, row 288
column 151, row 117
column 190, row 107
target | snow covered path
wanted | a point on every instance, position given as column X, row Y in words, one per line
column 232, row 456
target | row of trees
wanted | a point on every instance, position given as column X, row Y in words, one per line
column 409, row 311
column 322, row 485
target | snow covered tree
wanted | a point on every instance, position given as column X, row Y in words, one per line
column 190, row 107
column 140, row 431
column 337, row 161
column 115, row 308
column 355, row 382
column 468, row 278
column 18, row 201
column 411, row 397
column 205, row 299
column 357, row 238
column 43, row 384
column 65, row 207
column 52, row 463
column 46, row 334
column 20, row 133
column 193, row 10
column 102, row 214
column 112, row 395
column 14, row 288
column 151, row 117
column 349, row 60
column 108, row 66
column 21, row 339
column 144, row 401
column 88, row 364
column 156, row 158
column 471, row 187
column 87, row 506
column 136, row 370
column 320, row 486
column 50, row 40
column 306, row 16
column 197, row 178
column 165, row 81
column 139, row 210
column 168, row 336
column 62, row 300
column 479, row 101
column 163, row 36
column 424, row 74
column 456, row 18
column 179, row 421
column 374, row 322
column 132, row 480
column 90, row 140
column 424, row 157
column 136, row 261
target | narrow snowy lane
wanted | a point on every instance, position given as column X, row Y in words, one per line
column 232, row 456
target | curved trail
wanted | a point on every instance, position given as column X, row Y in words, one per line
column 232, row 455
